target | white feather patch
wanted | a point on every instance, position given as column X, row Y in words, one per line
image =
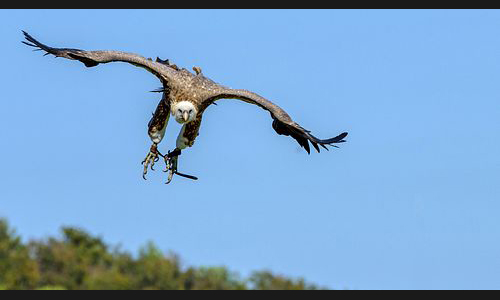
column 182, row 142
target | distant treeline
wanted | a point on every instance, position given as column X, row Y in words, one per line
column 78, row 260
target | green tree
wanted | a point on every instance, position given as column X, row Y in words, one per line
column 17, row 269
column 79, row 260
column 157, row 271
column 265, row 280
column 70, row 261
column 215, row 278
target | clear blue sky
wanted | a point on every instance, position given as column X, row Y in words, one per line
column 411, row 201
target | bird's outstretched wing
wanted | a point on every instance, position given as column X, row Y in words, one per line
column 93, row 58
column 282, row 123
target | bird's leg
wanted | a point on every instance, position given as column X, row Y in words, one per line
column 156, row 131
column 171, row 161
column 185, row 139
column 150, row 159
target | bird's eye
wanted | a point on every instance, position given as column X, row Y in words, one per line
column 179, row 111
column 190, row 111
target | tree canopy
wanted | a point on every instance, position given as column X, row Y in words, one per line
column 78, row 260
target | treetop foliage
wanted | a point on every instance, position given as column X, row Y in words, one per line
column 78, row 261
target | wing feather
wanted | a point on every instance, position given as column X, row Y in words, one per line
column 282, row 122
column 94, row 58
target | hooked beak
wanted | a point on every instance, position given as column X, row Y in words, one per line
column 185, row 116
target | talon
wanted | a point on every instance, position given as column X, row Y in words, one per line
column 170, row 176
column 150, row 160
column 171, row 160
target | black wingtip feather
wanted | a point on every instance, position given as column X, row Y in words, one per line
column 304, row 137
column 30, row 39
column 32, row 42
column 334, row 140
column 315, row 146
column 29, row 44
column 328, row 142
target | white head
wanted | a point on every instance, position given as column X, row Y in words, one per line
column 184, row 112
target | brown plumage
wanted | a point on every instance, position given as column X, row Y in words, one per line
column 182, row 85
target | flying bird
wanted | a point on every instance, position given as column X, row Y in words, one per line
column 186, row 96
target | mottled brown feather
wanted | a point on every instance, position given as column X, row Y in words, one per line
column 182, row 85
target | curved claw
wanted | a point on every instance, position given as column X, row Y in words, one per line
column 170, row 177
column 171, row 162
column 150, row 160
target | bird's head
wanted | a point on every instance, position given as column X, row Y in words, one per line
column 184, row 112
